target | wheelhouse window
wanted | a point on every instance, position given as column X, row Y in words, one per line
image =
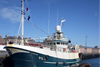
column 54, row 43
column 58, row 42
column 66, row 43
column 50, row 43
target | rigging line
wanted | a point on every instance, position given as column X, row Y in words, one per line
column 29, row 14
column 98, row 25
column 39, row 28
column 34, row 30
column 15, row 30
column 57, row 16
column 27, row 6
column 19, row 28
column 48, row 17
column 33, row 24
column 26, row 3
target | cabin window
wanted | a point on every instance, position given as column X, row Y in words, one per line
column 61, row 43
column 58, row 42
column 66, row 43
column 50, row 43
column 54, row 43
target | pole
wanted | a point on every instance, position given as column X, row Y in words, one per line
column 86, row 44
column 48, row 18
column 22, row 20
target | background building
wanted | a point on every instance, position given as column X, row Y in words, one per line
column 14, row 39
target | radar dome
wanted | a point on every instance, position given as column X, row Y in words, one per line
column 58, row 28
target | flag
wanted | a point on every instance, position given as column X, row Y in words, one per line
column 62, row 20
column 27, row 9
column 28, row 18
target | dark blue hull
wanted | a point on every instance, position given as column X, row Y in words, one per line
column 33, row 59
column 39, row 60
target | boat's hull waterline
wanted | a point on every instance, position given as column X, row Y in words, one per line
column 27, row 58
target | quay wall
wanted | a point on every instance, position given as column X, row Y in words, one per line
column 89, row 56
column 88, row 52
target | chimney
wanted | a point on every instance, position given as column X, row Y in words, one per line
column 30, row 38
column 6, row 39
column 0, row 36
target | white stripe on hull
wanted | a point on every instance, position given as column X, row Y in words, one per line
column 44, row 51
column 60, row 62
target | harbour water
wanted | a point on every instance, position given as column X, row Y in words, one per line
column 95, row 62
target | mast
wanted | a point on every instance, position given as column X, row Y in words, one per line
column 48, row 18
column 22, row 21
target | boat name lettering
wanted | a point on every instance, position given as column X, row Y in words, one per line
column 41, row 58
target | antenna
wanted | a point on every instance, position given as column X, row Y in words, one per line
column 22, row 20
column 57, row 16
column 86, row 42
column 48, row 17
column 98, row 25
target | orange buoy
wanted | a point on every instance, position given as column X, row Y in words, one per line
column 73, row 51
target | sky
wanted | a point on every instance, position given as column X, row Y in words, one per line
column 82, row 19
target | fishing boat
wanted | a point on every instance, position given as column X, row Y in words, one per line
column 55, row 51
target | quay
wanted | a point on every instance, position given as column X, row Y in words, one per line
column 89, row 56
column 90, row 52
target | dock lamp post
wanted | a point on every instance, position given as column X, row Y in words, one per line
column 86, row 45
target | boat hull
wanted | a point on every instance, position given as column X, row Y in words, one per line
column 25, row 58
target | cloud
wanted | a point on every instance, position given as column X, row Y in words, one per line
column 5, row 2
column 12, row 13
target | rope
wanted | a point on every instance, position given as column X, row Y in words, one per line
column 38, row 28
column 32, row 23
column 29, row 15
column 19, row 28
column 15, row 29
column 27, row 7
column 34, row 30
column 26, row 3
